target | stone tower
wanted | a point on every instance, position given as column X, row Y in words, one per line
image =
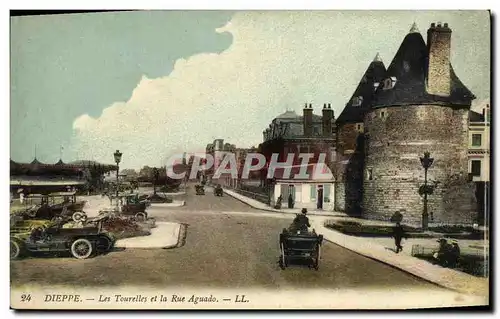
column 349, row 132
column 420, row 106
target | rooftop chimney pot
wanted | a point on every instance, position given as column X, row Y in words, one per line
column 433, row 25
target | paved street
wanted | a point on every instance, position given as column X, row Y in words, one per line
column 222, row 250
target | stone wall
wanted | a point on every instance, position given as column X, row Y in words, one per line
column 396, row 138
column 339, row 196
column 346, row 137
column 349, row 169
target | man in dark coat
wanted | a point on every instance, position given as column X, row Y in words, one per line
column 398, row 234
column 301, row 222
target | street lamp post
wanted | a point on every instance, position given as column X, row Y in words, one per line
column 156, row 174
column 426, row 162
column 118, row 158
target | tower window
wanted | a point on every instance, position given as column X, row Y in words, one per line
column 357, row 101
column 369, row 174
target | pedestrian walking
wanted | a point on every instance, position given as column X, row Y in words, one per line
column 290, row 201
column 398, row 234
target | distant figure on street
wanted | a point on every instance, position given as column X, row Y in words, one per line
column 278, row 202
column 301, row 221
column 398, row 234
column 444, row 253
column 454, row 254
column 290, row 201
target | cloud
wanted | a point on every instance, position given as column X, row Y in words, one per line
column 277, row 61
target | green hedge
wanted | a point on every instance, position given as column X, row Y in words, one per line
column 357, row 229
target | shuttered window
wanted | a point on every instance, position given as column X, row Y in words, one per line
column 326, row 193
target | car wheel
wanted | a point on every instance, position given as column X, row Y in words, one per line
column 15, row 249
column 81, row 248
column 104, row 244
column 140, row 217
column 78, row 216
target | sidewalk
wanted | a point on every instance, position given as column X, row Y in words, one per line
column 444, row 277
column 375, row 249
column 259, row 205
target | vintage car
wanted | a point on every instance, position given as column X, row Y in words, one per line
column 200, row 190
column 300, row 246
column 218, row 191
column 157, row 199
column 48, row 208
column 131, row 206
column 52, row 237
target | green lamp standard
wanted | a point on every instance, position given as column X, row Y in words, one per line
column 118, row 158
column 426, row 162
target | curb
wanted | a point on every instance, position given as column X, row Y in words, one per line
column 274, row 210
column 176, row 232
column 410, row 271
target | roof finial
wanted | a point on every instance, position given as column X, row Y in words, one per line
column 377, row 58
column 414, row 28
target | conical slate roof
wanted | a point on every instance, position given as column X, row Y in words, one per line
column 36, row 162
column 356, row 109
column 408, row 72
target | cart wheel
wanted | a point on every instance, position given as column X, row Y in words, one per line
column 141, row 217
column 16, row 250
column 283, row 264
column 318, row 256
column 77, row 216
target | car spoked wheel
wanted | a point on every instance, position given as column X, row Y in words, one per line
column 317, row 257
column 140, row 217
column 81, row 248
column 104, row 244
column 79, row 216
column 15, row 249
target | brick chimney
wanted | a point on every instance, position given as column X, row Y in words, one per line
column 327, row 120
column 308, row 120
column 438, row 46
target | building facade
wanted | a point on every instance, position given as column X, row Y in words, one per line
column 289, row 135
column 218, row 150
column 420, row 106
column 479, row 160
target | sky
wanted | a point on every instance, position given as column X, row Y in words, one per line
column 156, row 83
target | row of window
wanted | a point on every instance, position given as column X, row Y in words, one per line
column 287, row 190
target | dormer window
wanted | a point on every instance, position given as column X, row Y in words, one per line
column 357, row 101
column 389, row 83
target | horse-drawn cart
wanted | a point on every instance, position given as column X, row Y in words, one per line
column 300, row 246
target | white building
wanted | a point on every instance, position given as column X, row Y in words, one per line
column 479, row 145
column 316, row 191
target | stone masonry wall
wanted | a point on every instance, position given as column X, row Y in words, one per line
column 439, row 42
column 349, row 170
column 339, row 196
column 396, row 138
